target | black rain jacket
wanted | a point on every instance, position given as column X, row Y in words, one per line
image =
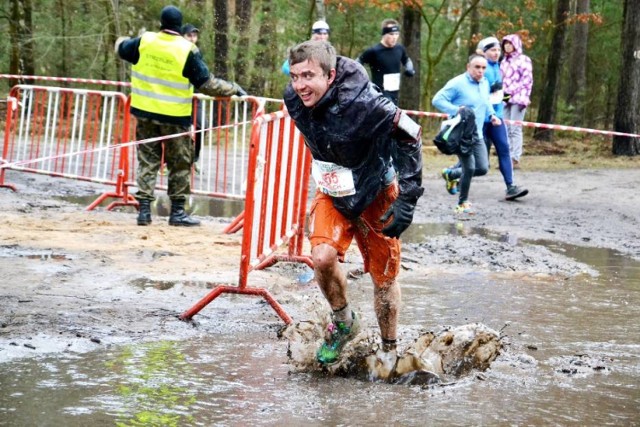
column 354, row 126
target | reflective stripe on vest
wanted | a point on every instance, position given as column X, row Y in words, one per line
column 157, row 84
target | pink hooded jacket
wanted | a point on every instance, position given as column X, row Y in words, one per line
column 517, row 72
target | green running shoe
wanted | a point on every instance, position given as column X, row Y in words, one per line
column 338, row 334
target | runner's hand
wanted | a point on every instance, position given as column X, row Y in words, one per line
column 402, row 212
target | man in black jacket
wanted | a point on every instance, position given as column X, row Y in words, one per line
column 367, row 166
column 385, row 60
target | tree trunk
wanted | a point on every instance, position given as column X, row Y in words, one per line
column 63, row 70
column 221, row 38
column 547, row 110
column 627, row 116
column 320, row 10
column 112, row 11
column 474, row 30
column 265, row 59
column 577, row 84
column 243, row 23
column 410, row 88
column 14, row 59
column 26, row 56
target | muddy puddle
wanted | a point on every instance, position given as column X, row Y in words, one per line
column 200, row 206
column 572, row 358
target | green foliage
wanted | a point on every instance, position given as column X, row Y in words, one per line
column 75, row 38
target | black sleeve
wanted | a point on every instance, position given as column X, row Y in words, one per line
column 365, row 58
column 195, row 69
column 129, row 50
column 405, row 57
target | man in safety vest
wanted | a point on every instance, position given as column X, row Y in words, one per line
column 166, row 68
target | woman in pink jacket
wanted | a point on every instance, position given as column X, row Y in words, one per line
column 517, row 79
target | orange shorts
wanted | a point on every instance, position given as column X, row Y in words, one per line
column 381, row 254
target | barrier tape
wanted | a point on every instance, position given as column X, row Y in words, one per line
column 65, row 79
column 6, row 165
column 534, row 125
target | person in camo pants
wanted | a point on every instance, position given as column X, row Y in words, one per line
column 166, row 68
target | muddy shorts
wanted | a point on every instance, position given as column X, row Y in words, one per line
column 381, row 254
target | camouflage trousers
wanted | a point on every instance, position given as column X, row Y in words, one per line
column 178, row 155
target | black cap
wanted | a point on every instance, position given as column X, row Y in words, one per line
column 170, row 18
column 189, row 28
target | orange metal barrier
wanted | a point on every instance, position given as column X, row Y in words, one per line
column 70, row 133
column 275, row 206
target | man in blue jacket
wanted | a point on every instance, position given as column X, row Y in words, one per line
column 468, row 90
column 367, row 166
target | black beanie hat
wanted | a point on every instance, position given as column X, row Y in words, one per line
column 171, row 19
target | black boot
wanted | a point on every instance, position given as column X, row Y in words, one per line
column 144, row 212
column 179, row 217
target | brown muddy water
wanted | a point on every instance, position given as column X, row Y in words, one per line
column 572, row 357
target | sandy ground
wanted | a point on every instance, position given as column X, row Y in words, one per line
column 74, row 280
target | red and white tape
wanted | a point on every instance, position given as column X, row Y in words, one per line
column 65, row 79
column 536, row 125
column 410, row 112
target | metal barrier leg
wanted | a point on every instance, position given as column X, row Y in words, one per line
column 127, row 200
column 220, row 289
column 235, row 225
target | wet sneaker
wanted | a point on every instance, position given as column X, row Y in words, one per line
column 513, row 192
column 451, row 184
column 464, row 208
column 338, row 334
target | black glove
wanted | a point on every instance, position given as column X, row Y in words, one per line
column 410, row 72
column 506, row 97
column 241, row 92
column 496, row 87
column 402, row 212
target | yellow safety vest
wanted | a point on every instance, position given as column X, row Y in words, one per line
column 157, row 83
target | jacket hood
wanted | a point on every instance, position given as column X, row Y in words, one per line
column 514, row 39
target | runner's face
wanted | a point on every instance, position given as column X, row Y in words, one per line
column 320, row 36
column 476, row 68
column 390, row 39
column 309, row 82
column 192, row 37
column 508, row 47
column 493, row 54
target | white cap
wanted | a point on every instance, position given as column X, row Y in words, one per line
column 488, row 43
column 320, row 26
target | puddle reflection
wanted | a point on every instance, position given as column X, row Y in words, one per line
column 195, row 205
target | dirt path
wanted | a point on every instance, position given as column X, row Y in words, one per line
column 74, row 280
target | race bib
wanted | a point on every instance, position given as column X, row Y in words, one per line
column 391, row 82
column 332, row 179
